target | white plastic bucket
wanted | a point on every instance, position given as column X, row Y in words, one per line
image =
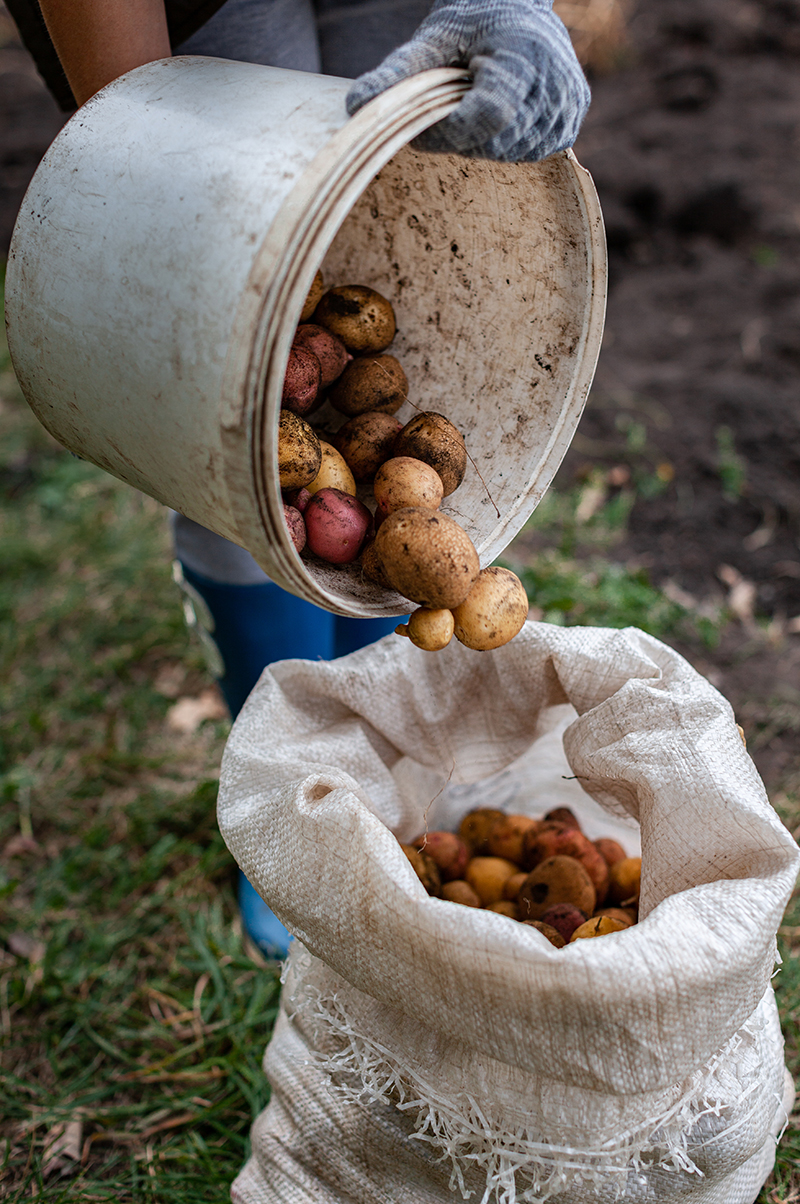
column 168, row 240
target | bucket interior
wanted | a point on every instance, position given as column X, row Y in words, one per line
column 492, row 275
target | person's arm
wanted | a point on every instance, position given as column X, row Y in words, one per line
column 98, row 40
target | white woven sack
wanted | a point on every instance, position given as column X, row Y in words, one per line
column 428, row 1051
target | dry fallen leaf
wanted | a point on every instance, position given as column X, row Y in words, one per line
column 742, row 595
column 188, row 713
column 62, row 1148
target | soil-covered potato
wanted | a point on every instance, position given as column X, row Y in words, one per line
column 333, row 472
column 460, row 892
column 556, row 880
column 372, row 567
column 432, row 438
column 360, row 317
column 487, row 877
column 563, row 815
column 553, row 935
column 448, row 851
column 427, row 557
column 430, row 630
column 402, row 482
column 330, row 351
column 564, row 917
column 296, row 526
column 556, row 839
column 366, row 442
column 425, row 868
column 493, row 612
column 371, row 383
column 507, row 836
column 336, row 526
column 476, row 826
column 505, row 907
column 314, row 297
column 610, row 850
column 301, row 383
column 299, row 452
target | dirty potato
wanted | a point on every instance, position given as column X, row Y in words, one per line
column 366, row 443
column 402, row 482
column 330, row 351
column 427, row 557
column 493, row 612
column 313, row 298
column 360, row 317
column 556, row 880
column 432, row 438
column 371, row 383
column 430, row 630
column 299, row 452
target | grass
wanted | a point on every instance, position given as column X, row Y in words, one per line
column 132, row 1011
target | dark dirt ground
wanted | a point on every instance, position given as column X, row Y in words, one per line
column 694, row 143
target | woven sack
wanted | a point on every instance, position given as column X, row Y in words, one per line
column 427, row 1051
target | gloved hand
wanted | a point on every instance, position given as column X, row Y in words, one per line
column 529, row 94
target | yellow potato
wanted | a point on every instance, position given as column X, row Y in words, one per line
column 333, row 472
column 493, row 612
column 430, row 630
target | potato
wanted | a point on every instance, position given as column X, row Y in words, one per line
column 330, row 351
column 554, row 839
column 370, row 384
column 333, row 472
column 565, row 918
column 299, row 498
column 427, row 557
column 514, row 885
column 425, row 868
column 432, row 438
column 365, row 442
column 553, row 935
column 448, row 851
column 360, row 317
column 609, row 850
column 476, row 826
column 301, row 382
column 556, row 880
column 313, row 298
column 504, row 907
column 493, row 612
column 563, row 815
column 336, row 525
column 430, row 630
column 487, row 876
column 299, row 452
column 296, row 526
column 372, row 568
column 625, row 879
column 460, row 892
column 597, row 926
column 624, row 915
column 402, row 482
column 507, row 836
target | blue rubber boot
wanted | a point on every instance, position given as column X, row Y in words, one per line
column 245, row 628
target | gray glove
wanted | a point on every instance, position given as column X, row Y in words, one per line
column 529, row 94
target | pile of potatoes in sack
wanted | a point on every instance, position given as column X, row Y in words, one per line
column 542, row 872
column 338, row 355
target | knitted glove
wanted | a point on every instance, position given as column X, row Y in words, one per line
column 529, row 95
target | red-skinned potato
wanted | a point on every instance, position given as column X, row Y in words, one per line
column 296, row 526
column 301, row 382
column 448, row 851
column 299, row 498
column 330, row 351
column 336, row 526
